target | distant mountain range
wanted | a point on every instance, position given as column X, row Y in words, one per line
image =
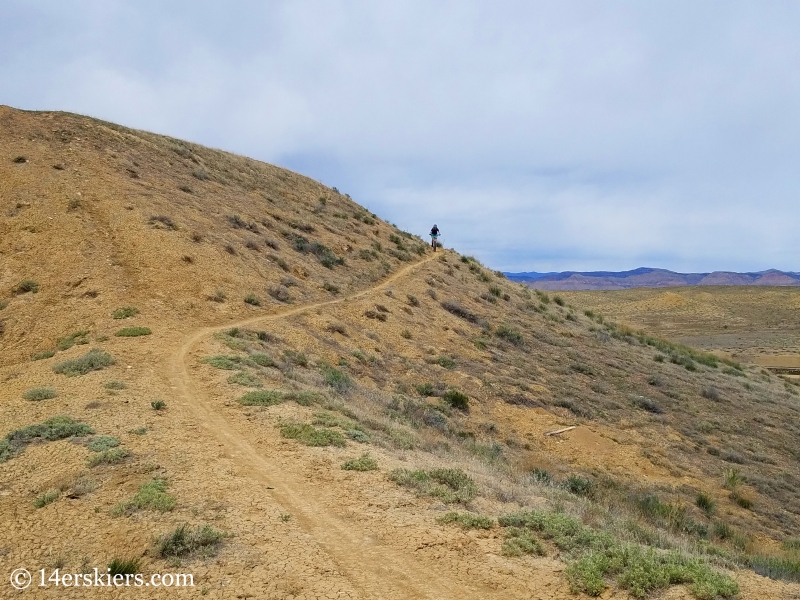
column 647, row 277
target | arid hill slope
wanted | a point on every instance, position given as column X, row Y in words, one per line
column 334, row 411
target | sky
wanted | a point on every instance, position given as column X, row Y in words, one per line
column 539, row 136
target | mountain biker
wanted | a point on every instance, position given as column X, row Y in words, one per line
column 434, row 236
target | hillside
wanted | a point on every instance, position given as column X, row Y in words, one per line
column 215, row 366
column 651, row 278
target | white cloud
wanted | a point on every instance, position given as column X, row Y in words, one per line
column 547, row 135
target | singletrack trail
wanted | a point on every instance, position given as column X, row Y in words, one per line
column 375, row 570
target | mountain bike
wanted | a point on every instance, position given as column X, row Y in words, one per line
column 434, row 241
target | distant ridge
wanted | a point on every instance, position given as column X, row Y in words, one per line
column 648, row 277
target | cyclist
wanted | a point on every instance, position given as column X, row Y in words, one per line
column 434, row 236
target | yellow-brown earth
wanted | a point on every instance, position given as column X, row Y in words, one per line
column 348, row 317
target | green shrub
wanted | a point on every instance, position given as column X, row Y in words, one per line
column 94, row 360
column 55, row 428
column 774, row 567
column 78, row 337
column 558, row 300
column 424, row 389
column 446, row 362
column 510, row 335
column 24, row 287
column 495, row 291
column 449, row 485
column 114, row 385
column 40, row 394
column 336, row 379
column 262, row 398
column 456, row 399
column 187, row 541
column 303, row 398
column 228, row 363
column 364, row 463
column 519, row 542
column 262, row 360
column 413, row 300
column 46, row 498
column 133, row 332
column 123, row 566
column 252, row 300
column 112, row 456
column 597, row 556
column 125, row 312
column 158, row 404
column 245, row 379
column 466, row 520
column 705, row 503
column 151, row 496
column 406, row 334
column 44, row 354
column 309, row 435
column 103, row 442
column 580, row 486
column 329, row 287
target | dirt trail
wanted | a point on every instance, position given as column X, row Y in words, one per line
column 374, row 569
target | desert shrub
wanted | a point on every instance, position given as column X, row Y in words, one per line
column 580, row 486
column 46, row 498
column 26, row 286
column 289, row 282
column 596, row 556
column 364, row 463
column 114, row 385
column 162, row 222
column 261, row 398
column 775, row 567
column 151, row 496
column 495, row 291
column 466, row 520
column 252, row 245
column 295, row 358
column 432, row 293
column 336, row 379
column 218, row 296
column 449, row 485
column 280, row 293
column 413, row 300
column 582, row 368
column 19, row 160
column 271, row 244
column 94, row 360
column 40, row 393
column 77, row 337
column 221, row 361
column 309, row 435
column 252, row 300
column 446, row 362
column 82, row 486
column 456, row 399
column 112, row 456
column 55, row 428
column 133, row 332
column 424, row 389
column 186, row 541
column 406, row 334
column 558, row 300
column 329, row 287
column 103, row 442
column 44, row 354
column 541, row 475
column 158, row 404
column 246, row 379
column 519, row 542
column 262, row 360
column 123, row 566
column 230, row 249
column 705, row 503
column 456, row 309
column 646, row 404
column 732, row 479
column 710, row 393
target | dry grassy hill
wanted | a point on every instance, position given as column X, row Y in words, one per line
column 215, row 366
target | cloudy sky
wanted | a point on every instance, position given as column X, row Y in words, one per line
column 538, row 135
